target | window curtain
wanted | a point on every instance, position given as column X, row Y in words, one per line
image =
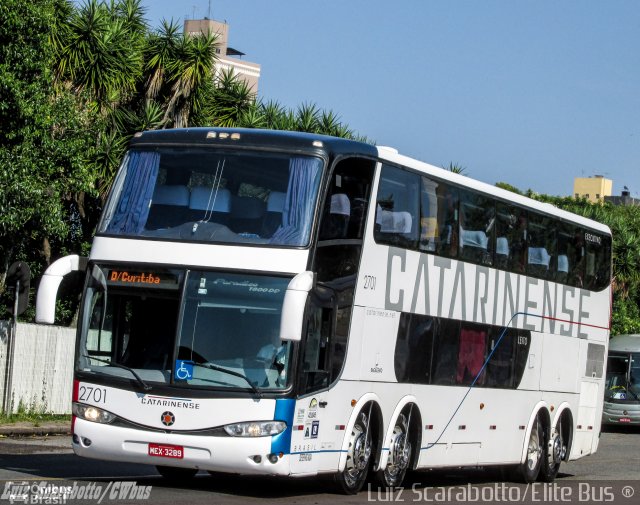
column 132, row 209
column 297, row 214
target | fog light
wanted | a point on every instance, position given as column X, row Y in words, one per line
column 273, row 458
column 257, row 459
column 76, row 439
column 86, row 441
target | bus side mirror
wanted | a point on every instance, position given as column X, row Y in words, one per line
column 48, row 288
column 295, row 301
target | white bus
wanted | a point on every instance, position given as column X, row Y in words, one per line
column 622, row 384
column 289, row 304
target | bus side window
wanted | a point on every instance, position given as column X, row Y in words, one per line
column 471, row 354
column 414, row 346
column 506, row 222
column 477, row 228
column 397, row 208
column 598, row 260
column 428, row 215
column 447, row 221
column 541, row 249
column 446, row 351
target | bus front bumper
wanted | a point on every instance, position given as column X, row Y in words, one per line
column 621, row 413
column 239, row 455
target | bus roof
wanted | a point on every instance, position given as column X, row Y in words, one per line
column 488, row 189
column 253, row 137
column 625, row 343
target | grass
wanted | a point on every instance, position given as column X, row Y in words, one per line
column 32, row 415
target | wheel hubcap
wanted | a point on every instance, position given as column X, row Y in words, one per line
column 359, row 452
column 557, row 449
column 533, row 451
column 399, row 453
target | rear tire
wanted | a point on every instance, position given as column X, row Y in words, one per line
column 400, row 452
column 352, row 478
column 555, row 451
column 175, row 473
column 530, row 469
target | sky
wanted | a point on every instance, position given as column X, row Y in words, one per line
column 532, row 93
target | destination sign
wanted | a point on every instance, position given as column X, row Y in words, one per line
column 142, row 279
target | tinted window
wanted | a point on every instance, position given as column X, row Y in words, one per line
column 541, row 247
column 397, row 208
column 597, row 260
column 477, row 228
column 432, row 350
column 473, row 227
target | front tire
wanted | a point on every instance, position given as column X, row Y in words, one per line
column 530, row 469
column 400, row 451
column 352, row 478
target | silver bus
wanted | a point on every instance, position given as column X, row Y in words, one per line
column 622, row 387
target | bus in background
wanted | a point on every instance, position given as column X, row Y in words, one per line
column 622, row 386
column 289, row 304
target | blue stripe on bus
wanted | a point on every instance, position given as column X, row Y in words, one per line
column 283, row 412
column 317, row 452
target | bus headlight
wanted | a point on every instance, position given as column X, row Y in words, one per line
column 255, row 428
column 91, row 413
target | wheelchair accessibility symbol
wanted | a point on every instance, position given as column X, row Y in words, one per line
column 183, row 370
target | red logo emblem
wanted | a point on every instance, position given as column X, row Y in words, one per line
column 168, row 418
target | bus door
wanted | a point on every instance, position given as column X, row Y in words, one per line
column 311, row 433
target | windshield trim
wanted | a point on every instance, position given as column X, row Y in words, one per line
column 133, row 383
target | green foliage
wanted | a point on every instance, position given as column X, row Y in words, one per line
column 46, row 140
column 32, row 413
column 508, row 187
column 624, row 222
column 455, row 168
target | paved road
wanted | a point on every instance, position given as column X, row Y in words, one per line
column 49, row 462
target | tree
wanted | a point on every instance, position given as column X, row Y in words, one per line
column 45, row 140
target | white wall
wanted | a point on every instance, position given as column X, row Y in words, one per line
column 42, row 367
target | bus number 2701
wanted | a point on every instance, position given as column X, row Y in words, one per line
column 97, row 395
column 369, row 282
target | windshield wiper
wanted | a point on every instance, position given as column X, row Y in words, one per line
column 231, row 372
column 144, row 385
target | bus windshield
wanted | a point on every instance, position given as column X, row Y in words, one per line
column 222, row 328
column 623, row 377
column 206, row 195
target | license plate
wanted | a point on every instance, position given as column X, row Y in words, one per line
column 166, row 451
column 625, row 419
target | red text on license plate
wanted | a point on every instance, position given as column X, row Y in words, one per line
column 625, row 419
column 166, row 451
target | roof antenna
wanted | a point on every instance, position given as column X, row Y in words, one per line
column 209, row 13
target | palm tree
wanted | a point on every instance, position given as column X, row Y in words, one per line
column 230, row 100
column 100, row 51
column 455, row 168
column 191, row 74
column 160, row 52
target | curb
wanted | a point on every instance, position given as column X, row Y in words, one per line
column 9, row 430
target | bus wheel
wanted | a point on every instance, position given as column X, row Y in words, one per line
column 555, row 453
column 530, row 469
column 399, row 455
column 351, row 479
column 175, row 473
